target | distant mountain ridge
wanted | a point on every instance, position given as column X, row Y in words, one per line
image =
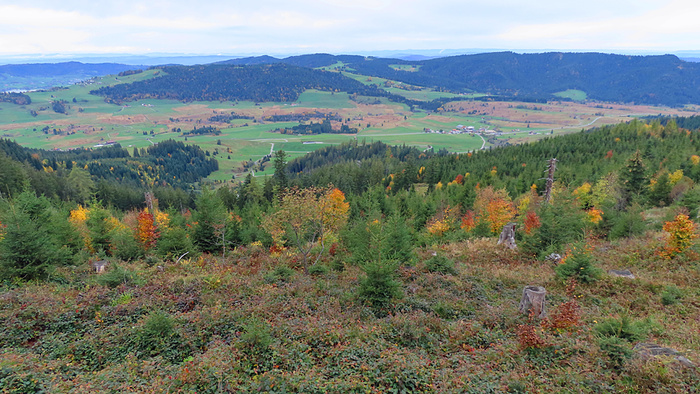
column 65, row 68
column 658, row 79
column 662, row 79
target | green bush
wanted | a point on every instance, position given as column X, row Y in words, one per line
column 441, row 264
column 318, row 269
column 16, row 382
column 255, row 342
column 281, row 273
column 36, row 238
column 579, row 265
column 671, row 295
column 159, row 337
column 626, row 223
column 380, row 239
column 117, row 276
column 561, row 223
column 173, row 243
column 125, row 247
column 379, row 285
column 624, row 328
column 617, row 350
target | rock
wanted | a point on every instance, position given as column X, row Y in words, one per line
column 622, row 274
column 553, row 258
column 533, row 301
column 646, row 351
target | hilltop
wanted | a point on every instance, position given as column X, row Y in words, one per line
column 392, row 279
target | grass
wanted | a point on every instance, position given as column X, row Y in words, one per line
column 318, row 99
column 405, row 67
column 576, row 95
column 390, row 122
column 256, row 322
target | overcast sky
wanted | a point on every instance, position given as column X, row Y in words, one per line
column 44, row 27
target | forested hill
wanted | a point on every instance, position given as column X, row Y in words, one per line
column 663, row 80
column 111, row 174
column 271, row 82
column 583, row 157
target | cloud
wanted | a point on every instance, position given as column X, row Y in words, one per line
column 266, row 26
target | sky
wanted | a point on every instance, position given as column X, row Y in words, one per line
column 75, row 27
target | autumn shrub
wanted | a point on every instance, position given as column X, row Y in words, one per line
column 566, row 317
column 147, row 232
column 530, row 337
column 681, row 233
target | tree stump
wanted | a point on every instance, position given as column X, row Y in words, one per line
column 533, row 301
column 507, row 236
column 99, row 266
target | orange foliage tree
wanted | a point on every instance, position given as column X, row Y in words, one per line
column 146, row 231
column 682, row 232
column 494, row 207
column 532, row 222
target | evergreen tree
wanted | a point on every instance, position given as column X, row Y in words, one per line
column 281, row 169
column 81, row 181
column 36, row 238
column 633, row 177
column 209, row 222
column 660, row 194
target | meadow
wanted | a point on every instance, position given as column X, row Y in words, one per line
column 90, row 121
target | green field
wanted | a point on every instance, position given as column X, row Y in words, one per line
column 90, row 121
column 576, row 95
column 405, row 67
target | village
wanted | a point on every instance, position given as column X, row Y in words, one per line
column 461, row 129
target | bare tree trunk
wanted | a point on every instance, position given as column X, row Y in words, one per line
column 550, row 180
column 533, row 301
column 507, row 236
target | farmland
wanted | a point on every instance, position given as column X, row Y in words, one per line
column 90, row 121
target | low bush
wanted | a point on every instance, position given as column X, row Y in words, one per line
column 441, row 264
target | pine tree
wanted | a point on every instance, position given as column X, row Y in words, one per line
column 208, row 218
column 633, row 176
column 35, row 240
column 281, row 169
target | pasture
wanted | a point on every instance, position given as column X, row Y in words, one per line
column 90, row 121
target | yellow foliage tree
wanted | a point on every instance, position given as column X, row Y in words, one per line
column 306, row 217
